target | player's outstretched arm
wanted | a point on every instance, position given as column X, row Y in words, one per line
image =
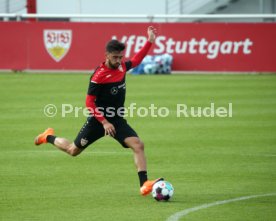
column 137, row 59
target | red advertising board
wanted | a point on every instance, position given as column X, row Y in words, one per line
column 194, row 46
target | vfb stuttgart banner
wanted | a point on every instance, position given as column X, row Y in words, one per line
column 208, row 47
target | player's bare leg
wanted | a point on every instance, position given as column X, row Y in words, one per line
column 66, row 146
column 139, row 155
column 140, row 161
column 61, row 143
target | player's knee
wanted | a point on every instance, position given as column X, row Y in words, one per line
column 138, row 146
column 74, row 151
column 141, row 146
column 74, row 154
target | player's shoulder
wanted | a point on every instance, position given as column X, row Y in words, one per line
column 98, row 75
column 105, row 75
column 128, row 65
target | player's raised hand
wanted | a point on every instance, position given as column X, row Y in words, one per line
column 151, row 34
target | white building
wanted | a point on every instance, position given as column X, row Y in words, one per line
column 149, row 7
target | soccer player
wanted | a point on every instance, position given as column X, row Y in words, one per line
column 107, row 89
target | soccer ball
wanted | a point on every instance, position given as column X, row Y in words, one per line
column 150, row 68
column 162, row 190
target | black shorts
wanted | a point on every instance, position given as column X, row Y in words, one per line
column 92, row 130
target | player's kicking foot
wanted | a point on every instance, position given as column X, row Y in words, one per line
column 147, row 186
column 42, row 138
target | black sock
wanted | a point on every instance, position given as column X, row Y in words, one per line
column 143, row 177
column 51, row 139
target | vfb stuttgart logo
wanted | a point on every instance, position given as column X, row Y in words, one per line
column 57, row 43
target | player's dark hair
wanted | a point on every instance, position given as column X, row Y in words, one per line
column 114, row 45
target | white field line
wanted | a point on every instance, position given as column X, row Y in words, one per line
column 261, row 155
column 185, row 212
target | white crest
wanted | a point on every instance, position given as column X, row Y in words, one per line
column 57, row 43
column 84, row 141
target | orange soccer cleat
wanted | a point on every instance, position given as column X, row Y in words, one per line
column 147, row 186
column 42, row 138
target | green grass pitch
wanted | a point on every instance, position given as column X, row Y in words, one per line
column 206, row 159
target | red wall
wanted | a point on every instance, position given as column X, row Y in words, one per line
column 194, row 46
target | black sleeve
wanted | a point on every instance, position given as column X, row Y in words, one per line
column 128, row 65
column 93, row 89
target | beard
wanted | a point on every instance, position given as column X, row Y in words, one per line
column 113, row 66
